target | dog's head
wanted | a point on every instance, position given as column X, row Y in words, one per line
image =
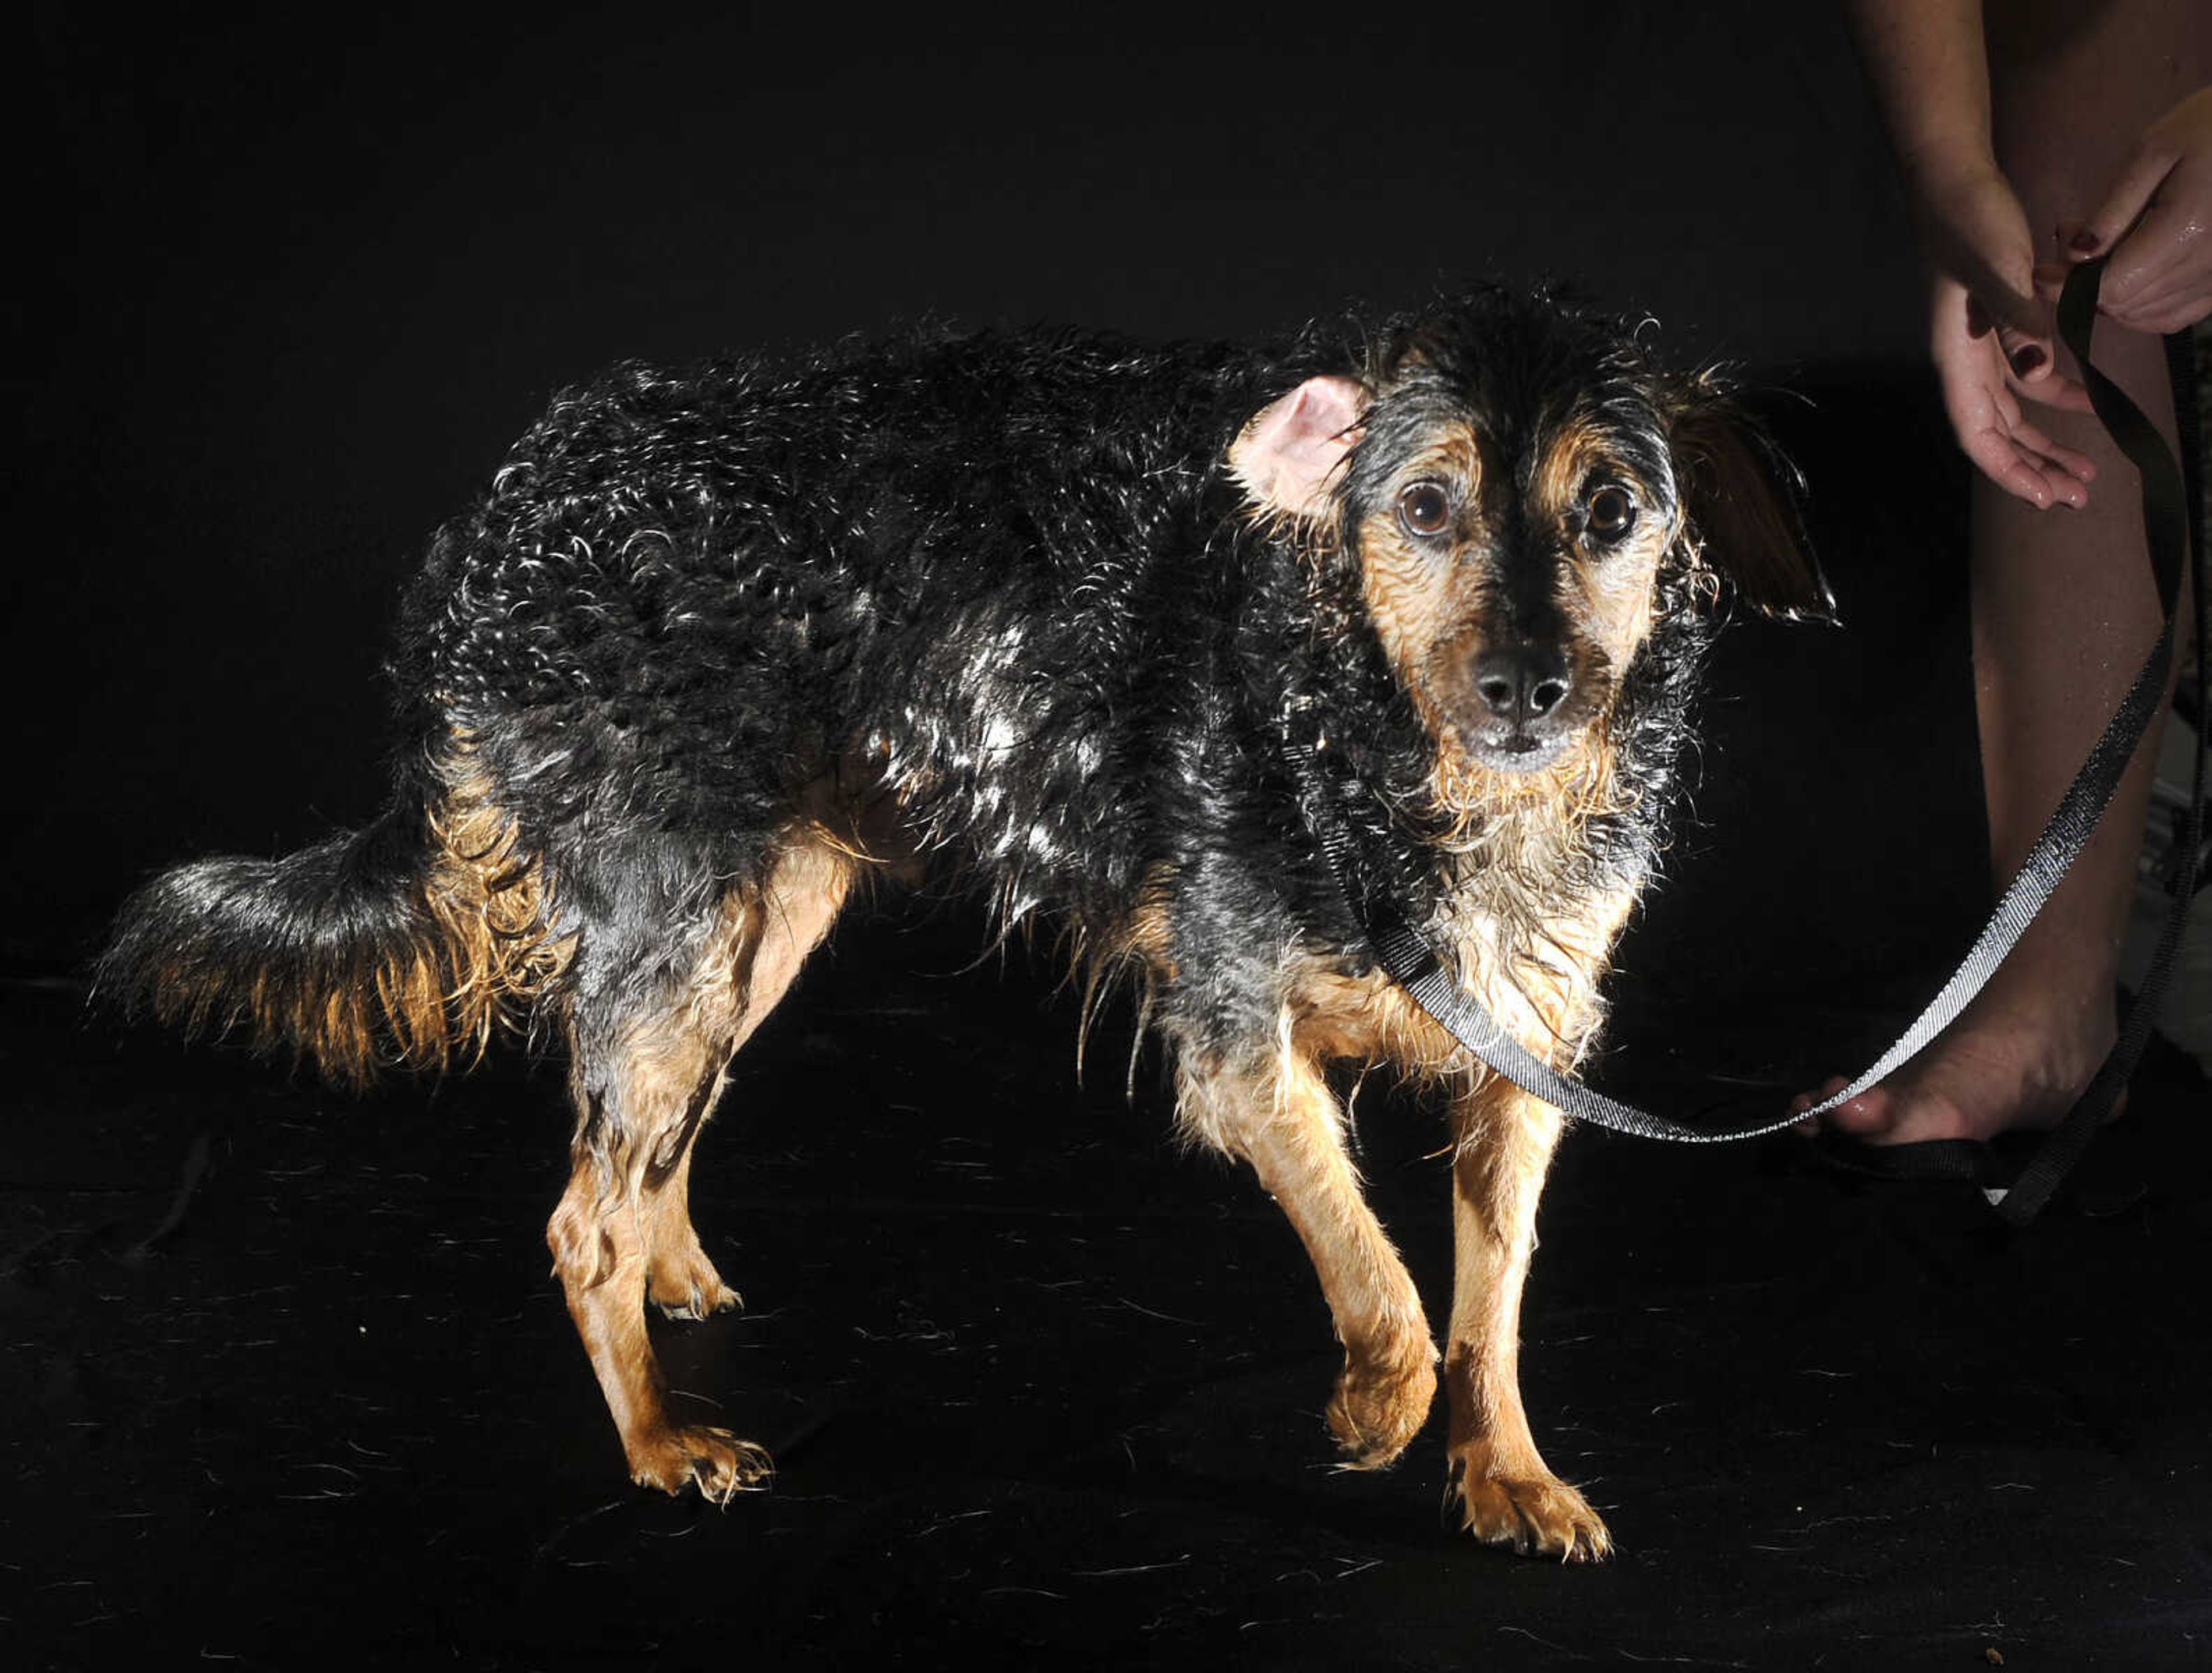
column 1511, row 480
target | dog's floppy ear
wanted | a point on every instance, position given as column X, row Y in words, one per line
column 1286, row 457
column 1742, row 494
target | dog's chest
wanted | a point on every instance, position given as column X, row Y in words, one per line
column 1528, row 930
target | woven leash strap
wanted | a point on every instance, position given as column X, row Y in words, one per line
column 1413, row 963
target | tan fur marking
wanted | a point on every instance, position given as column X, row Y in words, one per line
column 1612, row 594
column 1138, row 950
column 1370, row 1019
column 494, row 908
column 622, row 1232
column 1574, row 445
column 1540, row 979
column 1539, row 976
column 1505, row 1493
column 1434, row 608
column 1281, row 1117
column 1418, row 594
column 480, row 956
column 603, row 1262
column 1541, row 982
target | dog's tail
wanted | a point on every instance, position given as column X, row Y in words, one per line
column 405, row 945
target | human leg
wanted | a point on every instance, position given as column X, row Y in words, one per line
column 2063, row 607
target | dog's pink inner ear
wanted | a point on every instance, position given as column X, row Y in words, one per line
column 1286, row 456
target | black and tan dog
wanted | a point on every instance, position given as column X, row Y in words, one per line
column 1058, row 616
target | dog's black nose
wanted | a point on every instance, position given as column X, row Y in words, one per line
column 1522, row 684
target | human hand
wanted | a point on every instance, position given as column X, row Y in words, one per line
column 1989, row 336
column 2156, row 221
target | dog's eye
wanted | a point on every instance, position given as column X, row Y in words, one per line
column 1611, row 514
column 1424, row 509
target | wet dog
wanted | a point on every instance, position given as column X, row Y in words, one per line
column 1068, row 620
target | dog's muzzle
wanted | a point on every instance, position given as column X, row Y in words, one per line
column 1521, row 716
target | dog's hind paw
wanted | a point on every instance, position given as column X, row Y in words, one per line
column 1533, row 1514
column 713, row 1460
column 1379, row 1407
column 690, row 1289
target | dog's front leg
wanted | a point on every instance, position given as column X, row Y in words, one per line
column 1277, row 1112
column 1504, row 1493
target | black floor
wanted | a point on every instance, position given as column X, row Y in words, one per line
column 292, row 1386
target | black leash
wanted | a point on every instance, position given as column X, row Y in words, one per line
column 1414, row 965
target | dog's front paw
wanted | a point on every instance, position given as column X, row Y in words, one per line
column 713, row 1460
column 1532, row 1511
column 1381, row 1403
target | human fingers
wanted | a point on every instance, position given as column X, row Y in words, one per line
column 1985, row 414
column 2028, row 356
column 2055, row 454
column 2177, row 302
column 2155, row 224
column 2054, row 389
column 1992, row 434
column 2175, row 312
column 2159, row 270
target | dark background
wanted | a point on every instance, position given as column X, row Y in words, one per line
column 292, row 287
column 287, row 1382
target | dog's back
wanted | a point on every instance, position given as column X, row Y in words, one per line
column 690, row 602
column 693, row 604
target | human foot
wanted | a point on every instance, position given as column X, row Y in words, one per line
column 1981, row 1079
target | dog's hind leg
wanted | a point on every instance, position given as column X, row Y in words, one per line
column 763, row 938
column 1280, row 1117
column 680, row 1279
column 1505, row 1494
column 649, row 1058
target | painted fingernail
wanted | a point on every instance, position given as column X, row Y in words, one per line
column 2025, row 360
column 2085, row 241
column 1978, row 318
